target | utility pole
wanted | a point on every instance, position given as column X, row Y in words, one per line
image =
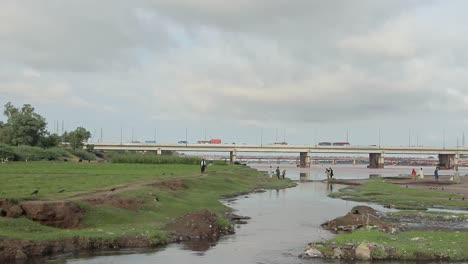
column 100, row 140
column 63, row 130
column 379, row 137
column 120, row 134
column 443, row 138
column 155, row 135
column 261, row 137
column 347, row 139
column 409, row 138
column 463, row 139
column 132, row 135
column 186, row 142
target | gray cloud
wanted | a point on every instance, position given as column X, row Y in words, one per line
column 251, row 62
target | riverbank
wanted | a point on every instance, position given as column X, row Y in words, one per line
column 404, row 235
column 120, row 205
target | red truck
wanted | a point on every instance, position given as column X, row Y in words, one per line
column 215, row 141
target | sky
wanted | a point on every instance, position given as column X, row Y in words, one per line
column 245, row 71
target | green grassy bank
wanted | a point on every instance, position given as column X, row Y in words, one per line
column 422, row 244
column 400, row 197
column 18, row 180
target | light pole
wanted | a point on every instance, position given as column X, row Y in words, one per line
column 261, row 137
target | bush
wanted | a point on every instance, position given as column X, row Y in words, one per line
column 82, row 154
column 151, row 158
column 7, row 152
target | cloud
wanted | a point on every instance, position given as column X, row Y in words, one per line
column 250, row 62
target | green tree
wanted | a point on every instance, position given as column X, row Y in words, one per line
column 23, row 126
column 78, row 137
column 50, row 141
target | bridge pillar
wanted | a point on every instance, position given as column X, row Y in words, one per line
column 158, row 152
column 333, row 162
column 232, row 156
column 354, row 162
column 304, row 160
column 376, row 161
column 448, row 161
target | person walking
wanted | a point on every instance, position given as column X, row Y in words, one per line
column 421, row 174
column 436, row 174
column 278, row 173
column 413, row 174
column 203, row 165
column 327, row 172
column 283, row 174
column 331, row 173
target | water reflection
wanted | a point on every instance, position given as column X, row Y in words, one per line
column 304, row 176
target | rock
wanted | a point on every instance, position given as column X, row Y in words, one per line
column 363, row 252
column 313, row 253
column 20, row 255
column 415, row 238
column 337, row 253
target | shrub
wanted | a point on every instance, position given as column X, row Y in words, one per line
column 151, row 158
column 82, row 154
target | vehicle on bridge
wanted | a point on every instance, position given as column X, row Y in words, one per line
column 211, row 141
column 182, row 142
column 324, row 143
column 341, row 144
column 280, row 143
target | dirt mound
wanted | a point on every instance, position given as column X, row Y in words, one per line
column 115, row 201
column 174, row 185
column 358, row 217
column 198, row 225
column 10, row 208
column 12, row 250
column 62, row 214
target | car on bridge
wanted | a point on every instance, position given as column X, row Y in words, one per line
column 182, row 142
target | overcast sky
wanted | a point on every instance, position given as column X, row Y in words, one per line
column 300, row 70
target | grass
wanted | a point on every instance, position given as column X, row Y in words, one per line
column 102, row 221
column 414, row 244
column 408, row 245
column 400, row 197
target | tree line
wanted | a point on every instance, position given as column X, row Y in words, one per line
column 26, row 127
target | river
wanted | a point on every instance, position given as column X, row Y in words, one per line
column 283, row 222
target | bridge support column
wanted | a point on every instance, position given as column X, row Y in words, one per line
column 376, row 161
column 354, row 162
column 333, row 162
column 158, row 152
column 448, row 161
column 232, row 156
column 304, row 160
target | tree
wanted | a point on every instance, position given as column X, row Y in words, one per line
column 50, row 141
column 78, row 137
column 23, row 127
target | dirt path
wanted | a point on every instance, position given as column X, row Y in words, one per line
column 125, row 187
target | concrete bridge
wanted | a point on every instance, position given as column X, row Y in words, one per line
column 448, row 156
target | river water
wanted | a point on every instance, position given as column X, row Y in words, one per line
column 283, row 222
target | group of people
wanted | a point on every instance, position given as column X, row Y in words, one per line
column 420, row 175
column 329, row 173
column 280, row 174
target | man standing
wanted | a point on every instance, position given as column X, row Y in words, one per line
column 203, row 165
column 456, row 176
column 331, row 173
column 278, row 173
column 436, row 174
